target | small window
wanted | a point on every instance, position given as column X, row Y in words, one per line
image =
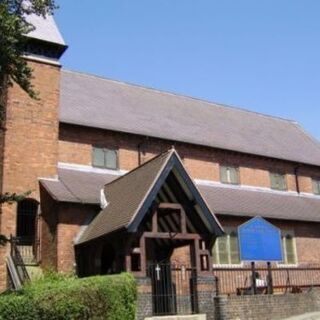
column 316, row 186
column 289, row 247
column 278, row 181
column 229, row 174
column 105, row 158
column 226, row 249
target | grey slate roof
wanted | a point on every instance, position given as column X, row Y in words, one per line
column 245, row 202
column 77, row 186
column 45, row 29
column 85, row 187
column 97, row 102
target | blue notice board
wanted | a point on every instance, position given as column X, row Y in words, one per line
column 259, row 240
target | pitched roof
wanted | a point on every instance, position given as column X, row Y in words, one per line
column 97, row 102
column 239, row 201
column 45, row 29
column 124, row 196
column 130, row 197
column 77, row 186
column 84, row 187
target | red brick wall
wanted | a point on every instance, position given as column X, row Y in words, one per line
column 71, row 218
column 48, row 231
column 31, row 142
column 75, row 146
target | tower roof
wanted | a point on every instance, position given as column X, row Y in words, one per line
column 46, row 29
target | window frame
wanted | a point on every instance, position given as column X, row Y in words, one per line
column 105, row 150
column 228, row 231
column 284, row 234
column 282, row 174
column 237, row 170
column 315, row 181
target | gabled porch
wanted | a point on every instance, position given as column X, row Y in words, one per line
column 157, row 226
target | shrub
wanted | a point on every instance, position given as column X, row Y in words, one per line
column 16, row 307
column 56, row 297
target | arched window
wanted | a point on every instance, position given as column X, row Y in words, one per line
column 289, row 247
column 26, row 221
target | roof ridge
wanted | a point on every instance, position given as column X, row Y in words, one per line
column 216, row 104
column 162, row 154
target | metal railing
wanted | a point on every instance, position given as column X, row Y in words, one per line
column 17, row 260
column 239, row 280
column 28, row 249
column 173, row 289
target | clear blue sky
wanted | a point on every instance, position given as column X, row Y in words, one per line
column 262, row 55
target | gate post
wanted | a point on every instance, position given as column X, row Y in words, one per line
column 206, row 287
column 144, row 298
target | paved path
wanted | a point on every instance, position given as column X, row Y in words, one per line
column 306, row 316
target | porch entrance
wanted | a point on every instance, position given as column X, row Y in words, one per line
column 162, row 231
column 173, row 289
column 171, row 269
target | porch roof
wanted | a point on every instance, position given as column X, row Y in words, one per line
column 80, row 186
column 130, row 197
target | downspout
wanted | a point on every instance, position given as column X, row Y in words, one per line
column 140, row 151
column 297, row 178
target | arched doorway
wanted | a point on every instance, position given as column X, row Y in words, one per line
column 26, row 221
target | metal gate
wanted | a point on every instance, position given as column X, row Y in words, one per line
column 173, row 289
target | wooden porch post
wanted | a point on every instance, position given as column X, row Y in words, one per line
column 143, row 255
column 197, row 254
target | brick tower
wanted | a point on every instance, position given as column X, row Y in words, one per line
column 29, row 141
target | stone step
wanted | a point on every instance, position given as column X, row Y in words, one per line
column 35, row 272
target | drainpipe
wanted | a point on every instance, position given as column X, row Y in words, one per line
column 140, row 145
column 297, row 177
column 139, row 153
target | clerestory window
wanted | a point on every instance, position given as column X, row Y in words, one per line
column 105, row 158
column 229, row 174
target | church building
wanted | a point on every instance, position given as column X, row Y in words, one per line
column 122, row 176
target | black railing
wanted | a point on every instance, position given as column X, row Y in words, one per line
column 173, row 289
column 18, row 261
column 285, row 279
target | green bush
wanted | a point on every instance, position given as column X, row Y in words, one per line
column 56, row 297
column 16, row 308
